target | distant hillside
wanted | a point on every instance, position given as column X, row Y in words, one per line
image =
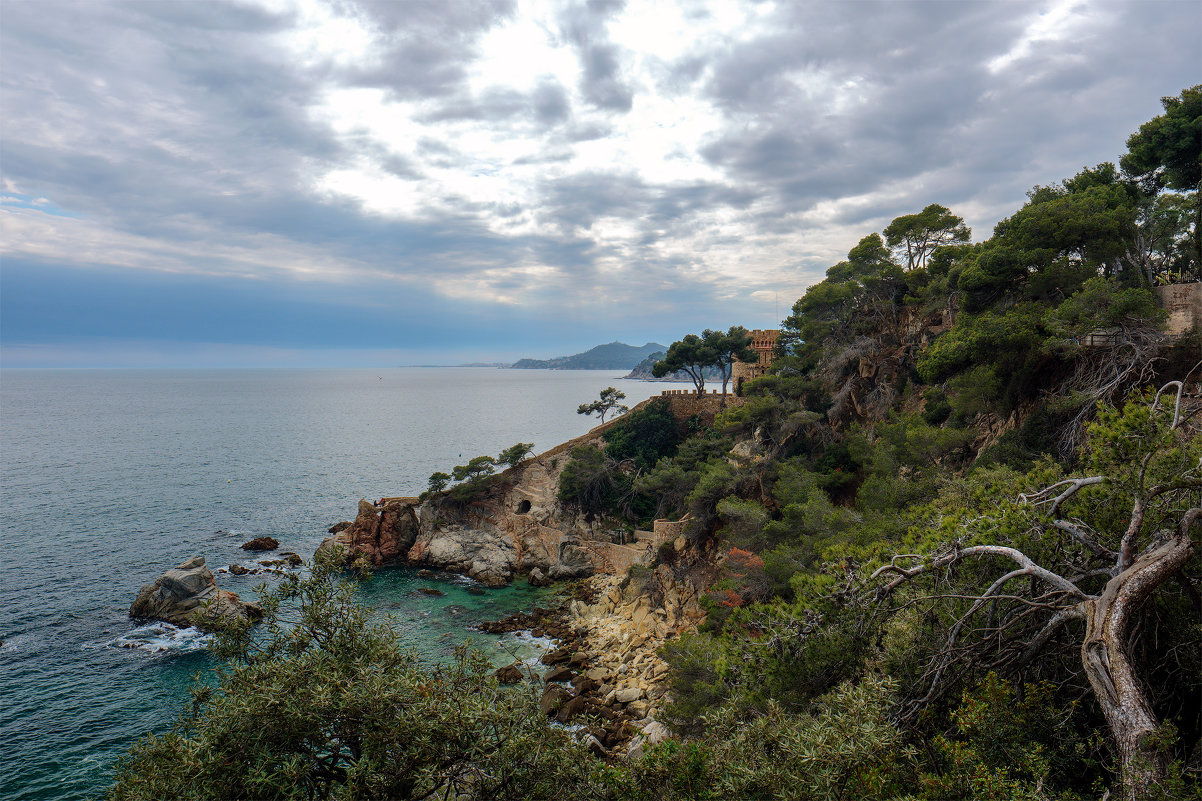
column 642, row 371
column 614, row 356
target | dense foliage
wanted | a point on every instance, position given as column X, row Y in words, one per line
column 323, row 703
column 914, row 532
column 921, row 392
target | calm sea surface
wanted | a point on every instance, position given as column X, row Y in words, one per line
column 108, row 478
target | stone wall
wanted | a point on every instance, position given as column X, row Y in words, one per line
column 1183, row 302
column 668, row 530
column 623, row 557
column 686, row 403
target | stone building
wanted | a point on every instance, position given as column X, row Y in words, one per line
column 763, row 342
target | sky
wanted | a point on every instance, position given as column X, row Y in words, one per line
column 389, row 182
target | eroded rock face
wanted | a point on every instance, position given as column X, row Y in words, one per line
column 379, row 534
column 184, row 590
column 479, row 553
column 514, row 526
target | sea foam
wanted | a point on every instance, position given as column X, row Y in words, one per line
column 160, row 638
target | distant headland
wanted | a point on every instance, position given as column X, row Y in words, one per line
column 614, row 356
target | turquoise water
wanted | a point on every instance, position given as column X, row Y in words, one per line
column 107, row 478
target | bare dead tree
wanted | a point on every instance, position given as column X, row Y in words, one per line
column 1105, row 373
column 1100, row 578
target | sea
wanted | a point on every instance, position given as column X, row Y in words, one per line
column 110, row 477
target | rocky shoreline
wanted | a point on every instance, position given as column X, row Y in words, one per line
column 633, row 590
column 605, row 670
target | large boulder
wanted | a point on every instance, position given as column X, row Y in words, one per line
column 555, row 696
column 510, row 674
column 187, row 589
column 572, row 561
column 538, row 579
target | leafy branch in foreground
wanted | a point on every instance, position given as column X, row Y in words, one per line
column 321, row 703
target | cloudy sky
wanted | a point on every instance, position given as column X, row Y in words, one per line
column 381, row 182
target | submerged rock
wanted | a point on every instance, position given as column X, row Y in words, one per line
column 187, row 589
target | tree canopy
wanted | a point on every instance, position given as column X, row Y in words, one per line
column 1166, row 148
column 917, row 235
column 690, row 354
column 727, row 348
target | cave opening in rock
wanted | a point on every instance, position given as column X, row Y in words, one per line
column 523, row 507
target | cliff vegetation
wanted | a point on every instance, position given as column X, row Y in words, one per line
column 946, row 549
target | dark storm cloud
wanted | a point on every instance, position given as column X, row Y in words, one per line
column 140, row 113
column 928, row 99
column 906, row 82
column 577, row 201
column 220, row 142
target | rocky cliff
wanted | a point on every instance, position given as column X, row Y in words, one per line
column 516, row 526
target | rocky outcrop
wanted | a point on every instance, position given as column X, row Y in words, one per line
column 190, row 588
column 516, row 526
column 261, row 544
column 378, row 534
column 510, row 674
column 623, row 631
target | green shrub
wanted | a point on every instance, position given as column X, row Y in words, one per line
column 644, row 436
column 322, row 703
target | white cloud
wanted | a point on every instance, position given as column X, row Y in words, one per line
column 1049, row 28
column 490, row 153
column 521, row 51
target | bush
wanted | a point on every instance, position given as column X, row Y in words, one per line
column 845, row 748
column 591, row 481
column 644, row 436
column 325, row 704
